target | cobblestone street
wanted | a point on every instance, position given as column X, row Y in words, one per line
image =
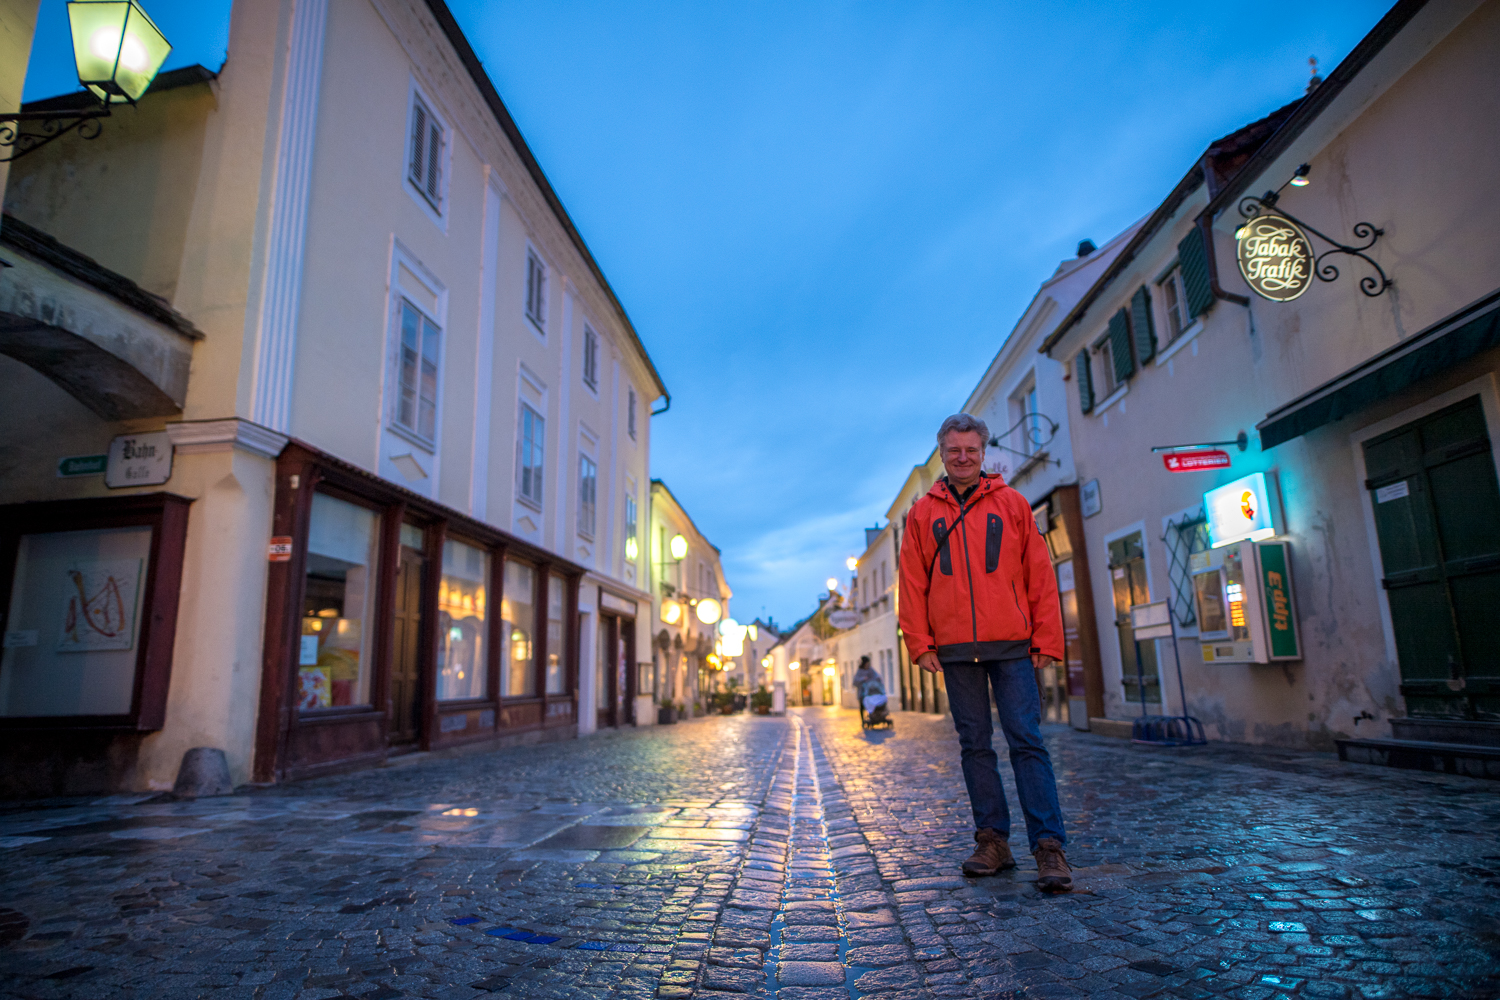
column 738, row 856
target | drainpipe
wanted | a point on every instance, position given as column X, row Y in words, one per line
column 1205, row 226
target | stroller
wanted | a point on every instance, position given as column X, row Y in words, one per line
column 874, row 710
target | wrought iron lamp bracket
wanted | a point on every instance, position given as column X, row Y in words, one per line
column 1251, row 206
column 19, row 141
column 1036, row 434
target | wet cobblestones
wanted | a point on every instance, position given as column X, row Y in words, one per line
column 798, row 858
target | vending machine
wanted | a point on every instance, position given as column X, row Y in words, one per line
column 1246, row 611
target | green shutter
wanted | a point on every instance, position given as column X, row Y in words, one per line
column 1141, row 326
column 1119, row 347
column 1085, row 381
column 1192, row 256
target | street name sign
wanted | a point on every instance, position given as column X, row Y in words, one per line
column 81, row 465
column 138, row 460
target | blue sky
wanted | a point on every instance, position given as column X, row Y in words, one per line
column 824, row 217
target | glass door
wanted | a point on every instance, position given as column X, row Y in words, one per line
column 1127, row 572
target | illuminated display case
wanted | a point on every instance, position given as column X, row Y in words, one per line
column 1246, row 613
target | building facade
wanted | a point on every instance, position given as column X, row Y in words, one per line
column 690, row 600
column 1318, row 363
column 404, row 413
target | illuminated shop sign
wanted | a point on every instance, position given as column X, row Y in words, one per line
column 1275, row 257
column 1241, row 510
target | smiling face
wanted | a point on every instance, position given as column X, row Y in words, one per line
column 963, row 457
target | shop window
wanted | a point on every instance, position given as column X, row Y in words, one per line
column 518, row 629
column 462, row 666
column 334, row 657
column 91, row 610
column 557, row 671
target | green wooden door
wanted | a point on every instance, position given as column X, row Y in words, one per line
column 1437, row 518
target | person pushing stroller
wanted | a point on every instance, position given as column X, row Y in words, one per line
column 871, row 691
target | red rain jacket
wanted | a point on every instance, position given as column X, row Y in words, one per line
column 993, row 593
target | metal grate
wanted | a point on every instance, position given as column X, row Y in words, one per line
column 1184, row 537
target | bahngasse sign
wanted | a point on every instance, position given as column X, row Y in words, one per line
column 1275, row 257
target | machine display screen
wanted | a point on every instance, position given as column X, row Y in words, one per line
column 1210, row 592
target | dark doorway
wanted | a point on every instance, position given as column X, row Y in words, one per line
column 607, row 672
column 626, row 672
column 1127, row 573
column 404, row 727
column 1437, row 518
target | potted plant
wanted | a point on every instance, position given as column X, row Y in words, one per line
column 761, row 700
column 666, row 714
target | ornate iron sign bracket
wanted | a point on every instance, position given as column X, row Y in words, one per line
column 1325, row 270
column 1037, row 435
column 50, row 125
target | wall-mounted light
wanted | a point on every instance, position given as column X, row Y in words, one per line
column 671, row 612
column 679, row 547
column 1299, row 179
column 709, row 610
column 632, row 549
column 117, row 51
column 833, row 584
column 829, row 671
column 794, row 665
column 851, row 562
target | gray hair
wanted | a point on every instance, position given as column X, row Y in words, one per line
column 962, row 423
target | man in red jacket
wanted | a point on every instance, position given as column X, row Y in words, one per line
column 979, row 605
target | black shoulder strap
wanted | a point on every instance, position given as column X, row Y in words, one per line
column 943, row 540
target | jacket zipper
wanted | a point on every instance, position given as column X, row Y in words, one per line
column 973, row 615
column 1017, row 598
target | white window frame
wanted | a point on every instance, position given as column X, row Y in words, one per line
column 536, row 496
column 411, row 283
column 534, row 290
column 433, row 204
column 591, row 359
column 588, row 495
column 1019, row 409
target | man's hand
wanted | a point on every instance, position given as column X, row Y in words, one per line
column 1042, row 660
column 929, row 662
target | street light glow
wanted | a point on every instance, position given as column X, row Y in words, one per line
column 832, row 584
column 679, row 547
column 851, row 562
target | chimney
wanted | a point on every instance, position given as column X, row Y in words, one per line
column 1086, row 247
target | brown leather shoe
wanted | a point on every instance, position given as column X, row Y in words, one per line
column 992, row 854
column 1052, row 871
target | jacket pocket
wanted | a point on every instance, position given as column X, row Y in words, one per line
column 940, row 535
column 994, row 529
column 1017, row 598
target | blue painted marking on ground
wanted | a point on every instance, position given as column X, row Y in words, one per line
column 594, row 946
column 464, row 921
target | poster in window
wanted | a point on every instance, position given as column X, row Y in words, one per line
column 101, row 602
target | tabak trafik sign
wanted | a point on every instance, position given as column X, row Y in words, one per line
column 1275, row 257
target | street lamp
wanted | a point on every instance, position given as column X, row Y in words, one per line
column 709, row 610
column 117, row 50
column 679, row 547
column 852, row 563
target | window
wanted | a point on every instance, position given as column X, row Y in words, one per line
column 518, row 629
column 1114, row 350
column 338, row 627
column 425, row 155
column 536, row 290
column 632, row 547
column 588, row 493
column 590, row 358
column 533, row 429
column 557, row 675
column 1029, row 432
column 1174, row 304
column 630, row 414
column 416, row 402
column 462, row 641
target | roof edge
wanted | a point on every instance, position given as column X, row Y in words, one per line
column 1387, row 28
column 491, row 96
column 183, row 76
column 668, row 490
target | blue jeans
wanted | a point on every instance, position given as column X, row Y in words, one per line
column 1020, row 707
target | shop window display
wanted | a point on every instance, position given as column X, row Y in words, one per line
column 557, row 674
column 333, row 665
column 518, row 629
column 462, row 593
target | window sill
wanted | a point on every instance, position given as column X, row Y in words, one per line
column 538, row 325
column 412, row 437
column 1110, row 400
column 1181, row 342
column 526, row 501
column 587, row 536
